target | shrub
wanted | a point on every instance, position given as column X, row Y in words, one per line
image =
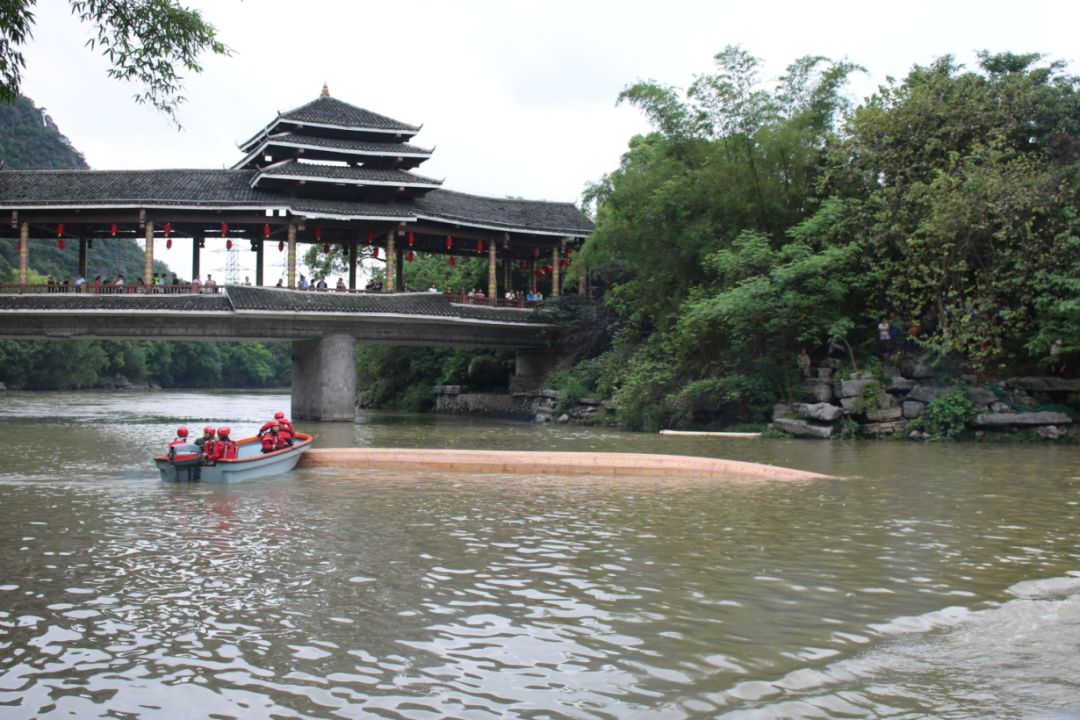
column 948, row 416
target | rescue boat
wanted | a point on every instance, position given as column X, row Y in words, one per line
column 184, row 463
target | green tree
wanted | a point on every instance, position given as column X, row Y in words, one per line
column 147, row 42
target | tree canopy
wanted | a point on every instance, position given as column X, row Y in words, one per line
column 147, row 42
column 754, row 221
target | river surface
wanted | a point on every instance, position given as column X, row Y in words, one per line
column 934, row 581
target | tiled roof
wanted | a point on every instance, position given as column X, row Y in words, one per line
column 232, row 188
column 357, row 146
column 504, row 212
column 361, row 175
column 331, row 111
column 132, row 187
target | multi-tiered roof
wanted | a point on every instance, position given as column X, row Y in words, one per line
column 329, row 148
column 336, row 171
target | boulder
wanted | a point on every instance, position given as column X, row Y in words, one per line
column 804, row 428
column 825, row 412
column 878, row 429
column 447, row 389
column 927, row 393
column 853, row 405
column 817, row 390
column 899, row 385
column 1050, row 432
column 980, row 396
column 884, row 414
column 781, row 410
column 854, row 388
column 999, row 420
column 824, row 373
column 912, row 409
column 1044, row 384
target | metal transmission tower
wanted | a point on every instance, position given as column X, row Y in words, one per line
column 232, row 266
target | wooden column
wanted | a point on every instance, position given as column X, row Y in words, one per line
column 555, row 272
column 391, row 264
column 290, row 273
column 260, row 245
column 352, row 265
column 195, row 257
column 148, row 257
column 24, row 254
column 82, row 257
column 493, row 280
column 399, row 266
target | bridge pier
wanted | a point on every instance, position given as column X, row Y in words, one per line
column 324, row 378
column 531, row 369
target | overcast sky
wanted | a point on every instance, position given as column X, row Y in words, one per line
column 517, row 98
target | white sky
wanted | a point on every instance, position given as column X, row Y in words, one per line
column 516, row 97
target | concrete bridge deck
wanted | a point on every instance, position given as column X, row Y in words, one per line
column 324, row 328
column 253, row 313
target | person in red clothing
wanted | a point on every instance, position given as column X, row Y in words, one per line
column 285, row 428
column 285, row 423
column 181, row 436
column 224, row 447
column 271, row 440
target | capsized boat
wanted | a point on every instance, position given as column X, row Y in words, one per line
column 184, row 463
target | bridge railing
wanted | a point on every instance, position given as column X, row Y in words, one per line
column 90, row 288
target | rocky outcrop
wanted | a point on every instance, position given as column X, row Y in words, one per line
column 880, row 407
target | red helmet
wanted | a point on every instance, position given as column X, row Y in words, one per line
column 223, row 431
column 279, row 414
column 209, row 429
column 181, row 431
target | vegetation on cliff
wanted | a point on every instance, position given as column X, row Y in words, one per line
column 752, row 222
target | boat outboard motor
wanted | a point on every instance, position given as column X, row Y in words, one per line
column 187, row 460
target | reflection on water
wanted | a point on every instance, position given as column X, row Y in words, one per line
column 936, row 581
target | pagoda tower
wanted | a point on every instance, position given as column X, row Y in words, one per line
column 331, row 150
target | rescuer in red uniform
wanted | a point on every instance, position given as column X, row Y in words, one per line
column 224, row 447
column 181, row 436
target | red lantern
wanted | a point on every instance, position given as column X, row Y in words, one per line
column 540, row 272
column 266, row 230
column 281, row 246
column 224, row 229
column 479, row 246
column 521, row 264
column 168, row 244
column 60, row 243
column 370, row 236
column 412, row 239
column 547, row 268
column 318, row 236
column 409, row 257
column 59, row 229
column 326, row 248
column 449, row 243
column 168, row 230
column 114, row 228
column 375, row 252
column 452, row 261
column 228, row 244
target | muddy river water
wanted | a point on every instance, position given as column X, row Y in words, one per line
column 934, row 580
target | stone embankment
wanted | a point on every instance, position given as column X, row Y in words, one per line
column 537, row 405
column 890, row 406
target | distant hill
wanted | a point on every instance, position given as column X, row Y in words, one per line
column 30, row 140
